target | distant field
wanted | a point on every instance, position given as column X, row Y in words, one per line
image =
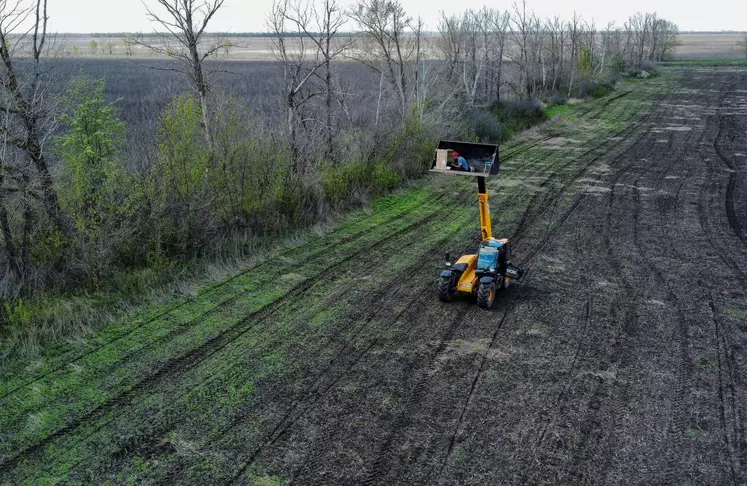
column 242, row 48
column 239, row 48
column 711, row 46
column 690, row 46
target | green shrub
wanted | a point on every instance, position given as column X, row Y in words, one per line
column 94, row 185
column 245, row 169
column 178, row 190
column 601, row 90
column 482, row 126
column 516, row 116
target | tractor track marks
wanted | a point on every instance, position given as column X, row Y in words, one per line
column 725, row 122
column 599, row 409
column 540, row 206
column 195, row 356
column 417, row 389
column 463, row 409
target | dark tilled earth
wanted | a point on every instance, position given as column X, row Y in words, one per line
column 620, row 359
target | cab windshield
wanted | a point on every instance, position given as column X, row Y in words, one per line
column 487, row 259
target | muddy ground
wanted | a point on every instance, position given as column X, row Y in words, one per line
column 620, row 359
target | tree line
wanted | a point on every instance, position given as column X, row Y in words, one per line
column 72, row 214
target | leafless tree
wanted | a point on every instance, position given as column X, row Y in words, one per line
column 466, row 47
column 26, row 121
column 310, row 50
column 574, row 37
column 521, row 22
column 557, row 39
column 386, row 46
column 329, row 20
column 129, row 43
column 23, row 99
column 182, row 39
column 640, row 25
column 500, row 24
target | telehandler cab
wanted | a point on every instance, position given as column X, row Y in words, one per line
column 482, row 274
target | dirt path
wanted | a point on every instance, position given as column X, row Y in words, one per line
column 620, row 359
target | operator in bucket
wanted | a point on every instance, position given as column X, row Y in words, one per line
column 460, row 164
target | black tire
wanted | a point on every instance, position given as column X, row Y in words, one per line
column 486, row 295
column 445, row 292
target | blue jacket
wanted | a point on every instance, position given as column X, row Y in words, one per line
column 463, row 163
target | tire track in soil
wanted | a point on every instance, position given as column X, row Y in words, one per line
column 731, row 214
column 316, row 391
column 314, row 458
column 610, row 143
column 622, row 354
column 680, row 408
column 731, row 411
column 191, row 360
column 581, row 350
column 685, row 367
column 303, row 406
column 674, row 296
column 470, row 393
column 595, row 407
column 729, row 442
column 704, row 215
column 526, row 224
column 737, row 446
column 381, row 464
column 195, row 356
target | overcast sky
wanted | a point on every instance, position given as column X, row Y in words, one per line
column 249, row 15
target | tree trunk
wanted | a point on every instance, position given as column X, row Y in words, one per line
column 51, row 202
column 206, row 121
column 28, row 225
column 202, row 91
column 11, row 254
column 292, row 135
column 328, row 101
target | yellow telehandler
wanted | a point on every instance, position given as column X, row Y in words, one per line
column 480, row 274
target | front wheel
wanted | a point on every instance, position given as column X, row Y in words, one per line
column 445, row 292
column 486, row 295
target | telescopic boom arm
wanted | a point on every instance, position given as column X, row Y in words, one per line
column 482, row 197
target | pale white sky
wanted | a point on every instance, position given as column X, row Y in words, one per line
column 249, row 15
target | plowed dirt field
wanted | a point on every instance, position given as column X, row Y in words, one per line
column 620, row 359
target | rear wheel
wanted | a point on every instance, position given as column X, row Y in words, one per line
column 445, row 292
column 486, row 295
